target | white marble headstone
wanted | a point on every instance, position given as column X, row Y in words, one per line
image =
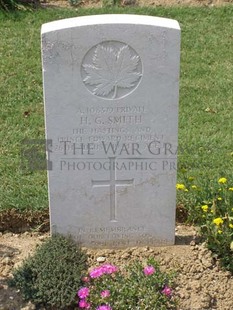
column 111, row 106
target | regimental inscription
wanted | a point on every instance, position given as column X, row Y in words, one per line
column 112, row 183
column 111, row 70
column 118, row 236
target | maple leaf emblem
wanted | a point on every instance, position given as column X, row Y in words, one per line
column 112, row 69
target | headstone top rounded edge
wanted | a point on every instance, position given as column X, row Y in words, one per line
column 107, row 19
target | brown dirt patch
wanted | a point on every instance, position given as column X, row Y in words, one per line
column 14, row 221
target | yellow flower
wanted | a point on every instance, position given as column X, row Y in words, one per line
column 186, row 190
column 230, row 188
column 219, row 198
column 218, row 221
column 231, row 225
column 180, row 186
column 222, row 180
column 191, row 178
column 219, row 231
column 194, row 187
column 205, row 208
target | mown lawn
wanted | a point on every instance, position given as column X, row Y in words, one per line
column 206, row 95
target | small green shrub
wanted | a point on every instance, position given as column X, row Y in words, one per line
column 134, row 287
column 52, row 275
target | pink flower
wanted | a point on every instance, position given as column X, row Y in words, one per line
column 109, row 268
column 105, row 293
column 148, row 270
column 104, row 307
column 104, row 269
column 97, row 272
column 84, row 304
column 83, row 292
column 167, row 291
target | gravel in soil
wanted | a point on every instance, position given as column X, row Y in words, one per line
column 200, row 282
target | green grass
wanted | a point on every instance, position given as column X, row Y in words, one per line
column 206, row 95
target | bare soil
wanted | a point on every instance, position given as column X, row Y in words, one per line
column 200, row 282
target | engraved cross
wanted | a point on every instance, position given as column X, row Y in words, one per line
column 112, row 183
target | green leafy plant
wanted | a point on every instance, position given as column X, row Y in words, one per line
column 213, row 213
column 51, row 276
column 217, row 223
column 134, row 287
